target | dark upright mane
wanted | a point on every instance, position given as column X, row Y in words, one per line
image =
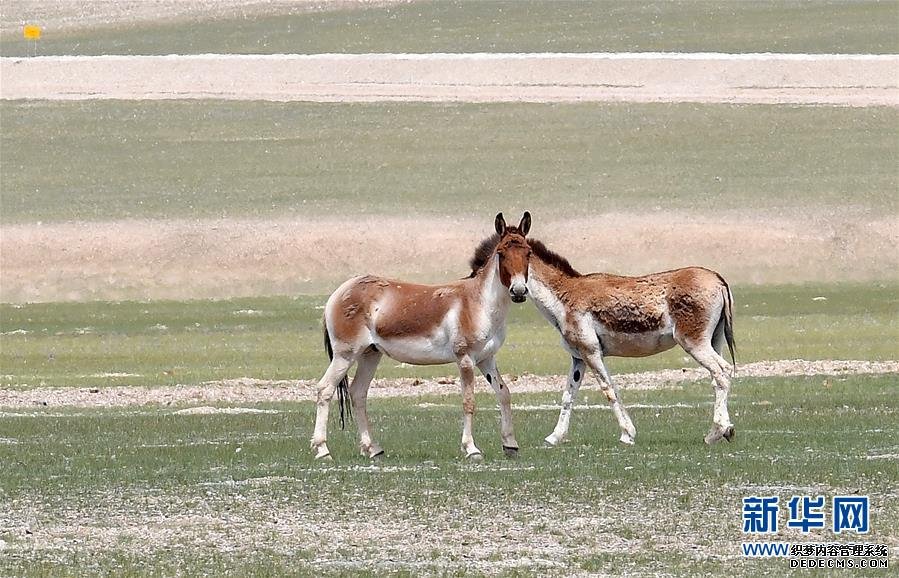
column 482, row 253
column 552, row 258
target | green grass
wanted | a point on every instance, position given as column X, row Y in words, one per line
column 199, row 506
column 111, row 160
column 503, row 26
column 76, row 344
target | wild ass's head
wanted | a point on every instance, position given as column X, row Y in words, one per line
column 513, row 253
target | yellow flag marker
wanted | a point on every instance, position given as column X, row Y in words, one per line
column 31, row 32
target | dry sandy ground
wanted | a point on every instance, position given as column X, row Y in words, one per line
column 227, row 258
column 853, row 80
column 251, row 391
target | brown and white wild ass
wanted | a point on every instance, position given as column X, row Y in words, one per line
column 462, row 322
column 601, row 315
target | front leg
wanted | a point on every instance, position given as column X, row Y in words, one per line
column 610, row 390
column 569, row 396
column 466, row 372
column 504, row 398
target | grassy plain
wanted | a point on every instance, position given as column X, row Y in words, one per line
column 197, row 159
column 150, row 491
column 158, row 343
column 145, row 490
column 820, row 26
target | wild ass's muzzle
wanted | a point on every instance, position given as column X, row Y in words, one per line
column 518, row 290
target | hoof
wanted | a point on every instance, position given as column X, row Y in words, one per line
column 627, row 439
column 510, row 451
column 551, row 441
column 378, row 456
column 324, row 458
column 476, row 457
column 715, row 434
column 729, row 433
column 371, row 452
column 322, row 453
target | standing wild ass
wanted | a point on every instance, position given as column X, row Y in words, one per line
column 601, row 315
column 463, row 322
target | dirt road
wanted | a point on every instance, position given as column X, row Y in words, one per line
column 849, row 80
column 252, row 391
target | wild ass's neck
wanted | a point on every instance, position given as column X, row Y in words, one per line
column 494, row 296
column 544, row 284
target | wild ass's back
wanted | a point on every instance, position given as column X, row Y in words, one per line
column 640, row 316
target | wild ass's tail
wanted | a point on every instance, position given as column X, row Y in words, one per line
column 727, row 319
column 343, row 398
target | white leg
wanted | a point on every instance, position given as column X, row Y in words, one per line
column 365, row 371
column 504, row 398
column 716, row 365
column 326, row 386
column 466, row 372
column 569, row 396
column 610, row 390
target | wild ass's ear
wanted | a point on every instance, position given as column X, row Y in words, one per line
column 500, row 224
column 525, row 225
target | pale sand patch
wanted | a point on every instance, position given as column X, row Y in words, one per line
column 848, row 80
column 179, row 259
column 891, row 457
column 606, row 407
column 207, row 410
column 249, row 390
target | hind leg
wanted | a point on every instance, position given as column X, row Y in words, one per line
column 336, row 371
column 575, row 378
column 718, row 343
column 365, row 371
column 706, row 356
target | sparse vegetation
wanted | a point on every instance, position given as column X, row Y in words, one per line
column 114, row 489
column 158, row 343
column 861, row 26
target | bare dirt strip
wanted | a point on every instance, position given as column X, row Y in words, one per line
column 851, row 80
column 184, row 259
column 249, row 390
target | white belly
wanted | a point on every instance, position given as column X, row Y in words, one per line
column 635, row 344
column 418, row 351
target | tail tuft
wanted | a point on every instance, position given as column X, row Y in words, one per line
column 343, row 398
column 729, row 324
